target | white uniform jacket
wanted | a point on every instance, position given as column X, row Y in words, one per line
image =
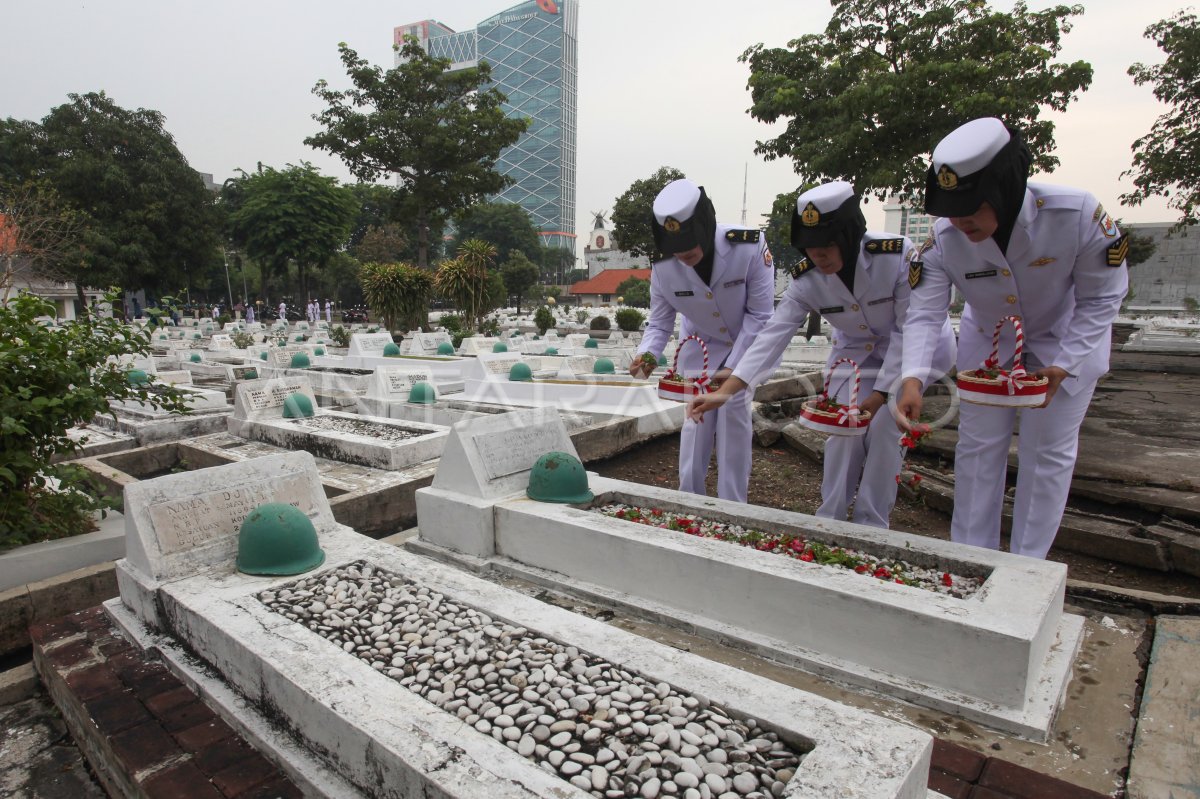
column 726, row 315
column 1056, row 278
column 866, row 322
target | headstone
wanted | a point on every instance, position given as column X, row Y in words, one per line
column 394, row 383
column 302, row 325
column 281, row 357
column 263, row 399
column 478, row 344
column 145, row 363
column 577, row 339
column 494, row 365
column 577, row 365
column 181, row 524
column 368, row 344
column 221, row 342
column 240, row 373
column 491, row 456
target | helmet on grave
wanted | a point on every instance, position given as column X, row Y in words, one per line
column 559, row 477
column 278, row 539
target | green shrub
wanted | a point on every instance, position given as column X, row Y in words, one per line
column 601, row 322
column 630, row 319
column 241, row 339
column 581, row 316
column 490, row 326
column 543, row 318
column 451, row 322
column 52, row 380
column 340, row 336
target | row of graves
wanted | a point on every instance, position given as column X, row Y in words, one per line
column 366, row 669
column 362, row 668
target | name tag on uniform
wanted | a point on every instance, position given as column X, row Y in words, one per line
column 881, row 300
column 988, row 273
column 833, row 309
column 685, row 294
column 733, row 283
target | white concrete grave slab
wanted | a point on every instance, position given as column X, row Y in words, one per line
column 226, row 633
column 348, row 437
column 576, row 365
column 368, row 344
column 417, row 343
column 220, row 342
column 474, row 345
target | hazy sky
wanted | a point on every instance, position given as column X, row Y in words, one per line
column 659, row 83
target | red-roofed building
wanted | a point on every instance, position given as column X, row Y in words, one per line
column 602, row 289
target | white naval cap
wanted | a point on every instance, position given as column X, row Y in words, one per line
column 677, row 201
column 823, row 199
column 954, row 184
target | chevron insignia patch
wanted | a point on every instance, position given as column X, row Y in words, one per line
column 745, row 236
column 1116, row 252
column 914, row 273
column 876, row 246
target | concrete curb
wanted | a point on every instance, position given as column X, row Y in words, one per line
column 51, row 598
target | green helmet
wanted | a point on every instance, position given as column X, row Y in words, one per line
column 278, row 539
column 390, row 350
column 297, row 406
column 262, row 356
column 551, row 351
column 521, row 373
column 445, row 348
column 195, row 357
column 137, row 377
column 591, row 344
column 603, row 366
column 499, row 346
column 319, row 351
column 422, row 394
column 559, row 477
column 300, row 361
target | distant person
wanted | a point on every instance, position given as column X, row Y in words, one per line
column 858, row 280
column 216, row 311
column 283, row 311
column 329, row 312
column 249, row 314
column 1050, row 256
column 720, row 279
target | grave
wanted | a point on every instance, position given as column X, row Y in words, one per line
column 259, row 414
column 207, row 412
column 366, row 352
column 418, row 343
column 1001, row 655
column 346, row 719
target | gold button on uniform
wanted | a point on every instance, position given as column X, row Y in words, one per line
column 1011, row 299
column 708, row 295
column 724, row 330
column 854, row 307
column 870, row 347
column 862, row 327
column 716, row 313
column 1005, row 272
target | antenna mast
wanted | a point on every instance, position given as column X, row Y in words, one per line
column 745, row 183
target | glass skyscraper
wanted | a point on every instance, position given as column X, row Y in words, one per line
column 531, row 49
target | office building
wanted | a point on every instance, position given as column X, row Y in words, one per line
column 531, row 49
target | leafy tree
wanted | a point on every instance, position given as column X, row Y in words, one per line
column 294, row 214
column 52, row 380
column 1167, row 159
column 1141, row 248
column 520, row 274
column 635, row 291
column 556, row 262
column 439, row 132
column 376, row 208
column 146, row 218
column 506, row 225
column 382, row 244
column 779, row 230
column 36, row 234
column 464, row 280
column 867, row 99
column 632, row 211
column 400, row 293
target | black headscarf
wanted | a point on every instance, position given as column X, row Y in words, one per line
column 844, row 227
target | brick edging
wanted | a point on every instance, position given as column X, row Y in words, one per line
column 961, row 773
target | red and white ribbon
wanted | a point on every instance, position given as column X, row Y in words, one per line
column 852, row 409
column 1009, row 379
column 700, row 382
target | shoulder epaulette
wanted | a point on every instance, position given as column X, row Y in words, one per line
column 876, row 246
column 742, row 235
column 801, row 268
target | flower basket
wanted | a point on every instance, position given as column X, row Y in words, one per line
column 674, row 386
column 1009, row 388
column 827, row 415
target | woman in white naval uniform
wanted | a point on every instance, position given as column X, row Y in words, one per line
column 721, row 280
column 1048, row 255
column 858, row 281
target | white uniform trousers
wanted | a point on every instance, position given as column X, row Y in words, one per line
column 1047, row 445
column 865, row 465
column 730, row 428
